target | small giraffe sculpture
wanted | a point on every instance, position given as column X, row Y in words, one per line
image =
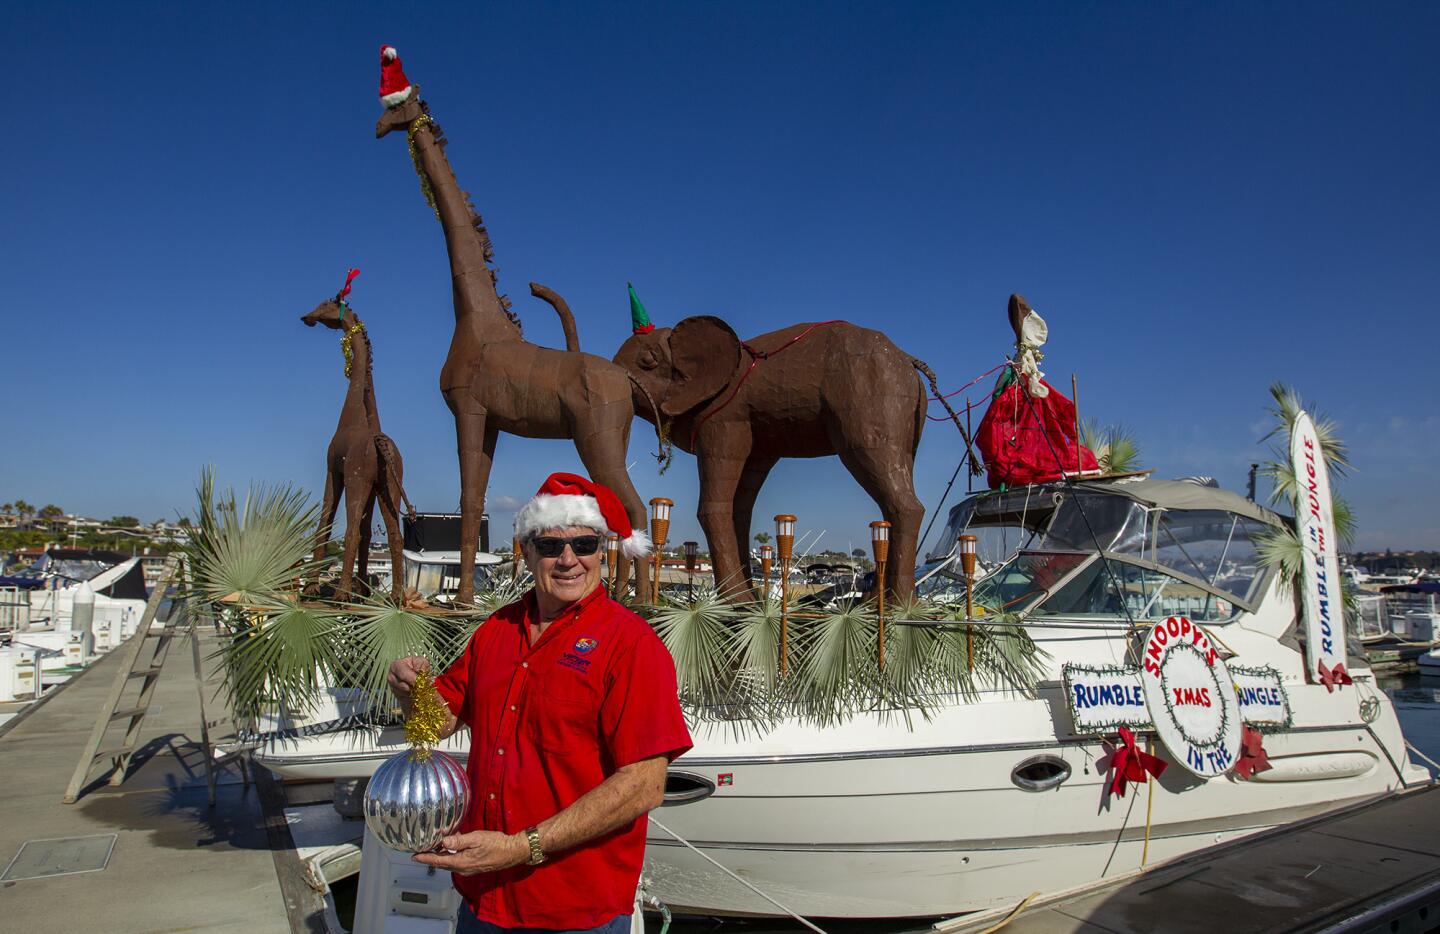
column 493, row 379
column 362, row 463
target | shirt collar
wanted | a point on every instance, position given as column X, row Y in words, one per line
column 570, row 613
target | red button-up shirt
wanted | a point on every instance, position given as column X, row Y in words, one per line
column 549, row 722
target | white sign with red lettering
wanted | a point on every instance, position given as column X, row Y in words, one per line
column 1315, row 524
column 1191, row 697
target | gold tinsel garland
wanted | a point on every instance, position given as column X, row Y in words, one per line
column 425, row 189
column 428, row 716
column 345, row 341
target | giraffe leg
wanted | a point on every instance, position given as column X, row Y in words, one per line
column 334, row 489
column 476, row 442
column 389, row 497
column 357, row 497
column 367, row 531
column 602, row 451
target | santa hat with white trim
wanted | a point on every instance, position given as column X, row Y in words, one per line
column 567, row 499
column 395, row 88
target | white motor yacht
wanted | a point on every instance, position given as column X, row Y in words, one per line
column 992, row 798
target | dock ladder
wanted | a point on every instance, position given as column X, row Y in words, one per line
column 146, row 666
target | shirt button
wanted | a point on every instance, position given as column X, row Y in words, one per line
column 492, row 796
column 500, row 752
column 524, row 664
column 512, row 706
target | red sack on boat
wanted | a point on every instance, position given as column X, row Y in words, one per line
column 1030, row 439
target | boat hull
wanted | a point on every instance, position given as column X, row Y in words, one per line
column 930, row 831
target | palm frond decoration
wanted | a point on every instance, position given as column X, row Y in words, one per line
column 283, row 658
column 1113, row 446
column 249, row 551
column 502, row 591
column 754, row 645
column 375, row 634
column 835, row 671
column 1283, row 549
column 695, row 634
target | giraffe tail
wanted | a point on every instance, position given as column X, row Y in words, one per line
column 390, row 457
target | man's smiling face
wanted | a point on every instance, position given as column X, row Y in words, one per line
column 562, row 580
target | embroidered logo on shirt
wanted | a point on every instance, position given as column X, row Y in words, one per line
column 571, row 660
column 584, row 645
column 725, row 778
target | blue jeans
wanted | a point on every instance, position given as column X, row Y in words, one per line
column 467, row 923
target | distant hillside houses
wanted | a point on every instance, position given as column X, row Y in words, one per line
column 63, row 525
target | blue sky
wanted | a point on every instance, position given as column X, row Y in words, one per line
column 1200, row 198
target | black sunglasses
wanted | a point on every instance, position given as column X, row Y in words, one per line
column 552, row 547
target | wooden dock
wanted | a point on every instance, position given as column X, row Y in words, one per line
column 150, row 854
column 1374, row 867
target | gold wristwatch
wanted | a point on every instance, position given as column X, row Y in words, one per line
column 537, row 855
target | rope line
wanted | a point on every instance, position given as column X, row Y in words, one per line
column 755, row 357
column 998, row 366
column 732, row 875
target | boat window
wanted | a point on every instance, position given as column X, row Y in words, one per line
column 1130, row 591
column 1003, row 523
column 1024, row 580
column 426, row 578
column 1103, row 522
column 76, row 570
column 1211, row 545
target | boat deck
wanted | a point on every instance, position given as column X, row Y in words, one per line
column 1373, row 867
column 170, row 862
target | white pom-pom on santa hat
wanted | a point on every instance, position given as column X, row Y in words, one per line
column 395, row 88
column 566, row 499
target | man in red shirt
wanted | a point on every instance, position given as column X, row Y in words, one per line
column 573, row 714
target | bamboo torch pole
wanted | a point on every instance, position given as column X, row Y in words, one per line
column 612, row 561
column 515, row 557
column 1075, row 396
column 967, row 564
column 785, row 544
column 659, row 529
column 880, row 546
column 767, row 561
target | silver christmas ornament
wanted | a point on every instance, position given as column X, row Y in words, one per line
column 412, row 805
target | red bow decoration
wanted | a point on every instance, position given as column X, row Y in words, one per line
column 349, row 278
column 1330, row 677
column 1130, row 763
column 1252, row 754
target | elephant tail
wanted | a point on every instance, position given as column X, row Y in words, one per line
column 929, row 375
column 666, row 452
column 567, row 320
column 390, row 457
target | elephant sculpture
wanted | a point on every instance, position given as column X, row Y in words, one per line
column 808, row 390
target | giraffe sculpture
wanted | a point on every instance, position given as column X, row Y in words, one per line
column 362, row 463
column 493, row 379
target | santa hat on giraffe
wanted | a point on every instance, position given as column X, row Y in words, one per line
column 395, row 88
column 567, row 499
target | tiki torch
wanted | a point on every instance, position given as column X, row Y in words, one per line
column 785, row 543
column 612, row 559
column 880, row 546
column 691, row 550
column 659, row 529
column 767, row 561
column 967, row 564
column 515, row 557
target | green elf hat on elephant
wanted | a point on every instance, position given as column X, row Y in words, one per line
column 639, row 319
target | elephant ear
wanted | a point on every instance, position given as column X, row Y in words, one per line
column 704, row 353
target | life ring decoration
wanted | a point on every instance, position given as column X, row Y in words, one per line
column 1191, row 697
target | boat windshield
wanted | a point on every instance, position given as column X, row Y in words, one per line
column 1201, row 563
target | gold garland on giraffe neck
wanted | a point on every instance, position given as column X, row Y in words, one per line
column 345, row 341
column 425, row 189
